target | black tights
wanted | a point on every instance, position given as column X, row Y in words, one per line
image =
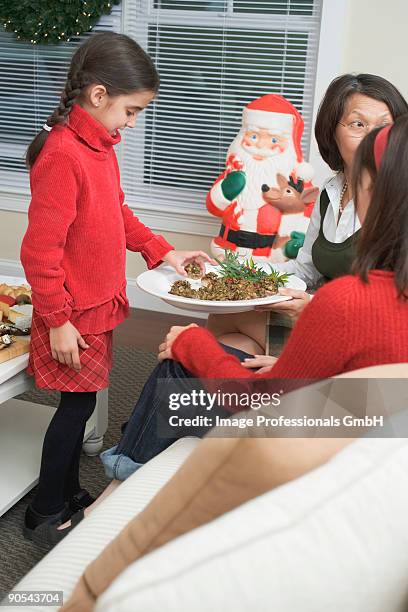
column 59, row 473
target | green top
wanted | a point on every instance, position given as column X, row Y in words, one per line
column 332, row 259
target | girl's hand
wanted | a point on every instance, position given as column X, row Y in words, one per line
column 165, row 347
column 64, row 343
column 179, row 259
column 263, row 362
column 293, row 308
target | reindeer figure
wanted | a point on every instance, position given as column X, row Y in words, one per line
column 295, row 203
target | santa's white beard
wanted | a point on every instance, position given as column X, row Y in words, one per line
column 261, row 172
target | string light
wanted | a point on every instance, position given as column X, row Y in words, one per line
column 88, row 13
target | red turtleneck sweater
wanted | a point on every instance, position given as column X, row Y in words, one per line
column 74, row 250
column 348, row 325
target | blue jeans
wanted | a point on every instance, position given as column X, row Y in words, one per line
column 139, row 442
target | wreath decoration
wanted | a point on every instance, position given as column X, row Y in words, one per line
column 51, row 21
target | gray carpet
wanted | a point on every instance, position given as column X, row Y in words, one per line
column 132, row 368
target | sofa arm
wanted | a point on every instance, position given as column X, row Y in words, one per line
column 62, row 567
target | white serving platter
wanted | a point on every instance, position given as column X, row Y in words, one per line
column 158, row 282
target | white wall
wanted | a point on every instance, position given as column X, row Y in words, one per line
column 360, row 36
column 376, row 40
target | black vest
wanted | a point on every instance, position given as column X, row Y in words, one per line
column 332, row 259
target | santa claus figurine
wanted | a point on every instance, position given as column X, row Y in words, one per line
column 264, row 196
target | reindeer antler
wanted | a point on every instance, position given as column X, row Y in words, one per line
column 298, row 185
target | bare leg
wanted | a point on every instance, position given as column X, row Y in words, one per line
column 242, row 342
column 245, row 330
column 112, row 486
column 109, row 489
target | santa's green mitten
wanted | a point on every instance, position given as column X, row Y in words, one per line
column 291, row 248
column 233, row 184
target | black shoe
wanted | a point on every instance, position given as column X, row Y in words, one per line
column 46, row 533
column 33, row 519
column 80, row 500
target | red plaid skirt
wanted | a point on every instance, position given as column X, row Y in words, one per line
column 96, row 362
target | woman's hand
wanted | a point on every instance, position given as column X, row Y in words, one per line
column 64, row 342
column 165, row 347
column 179, row 259
column 293, row 308
column 263, row 362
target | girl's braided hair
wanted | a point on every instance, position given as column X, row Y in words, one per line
column 113, row 60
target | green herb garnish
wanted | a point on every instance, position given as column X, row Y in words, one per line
column 231, row 267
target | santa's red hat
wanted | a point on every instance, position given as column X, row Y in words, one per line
column 273, row 112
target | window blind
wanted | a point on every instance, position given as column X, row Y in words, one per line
column 213, row 57
column 31, row 80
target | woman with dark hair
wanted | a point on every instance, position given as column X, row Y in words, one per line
column 357, row 320
column 353, row 322
column 352, row 106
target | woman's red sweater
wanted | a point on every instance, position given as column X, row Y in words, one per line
column 348, row 325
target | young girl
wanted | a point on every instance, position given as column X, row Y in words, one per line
column 74, row 255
